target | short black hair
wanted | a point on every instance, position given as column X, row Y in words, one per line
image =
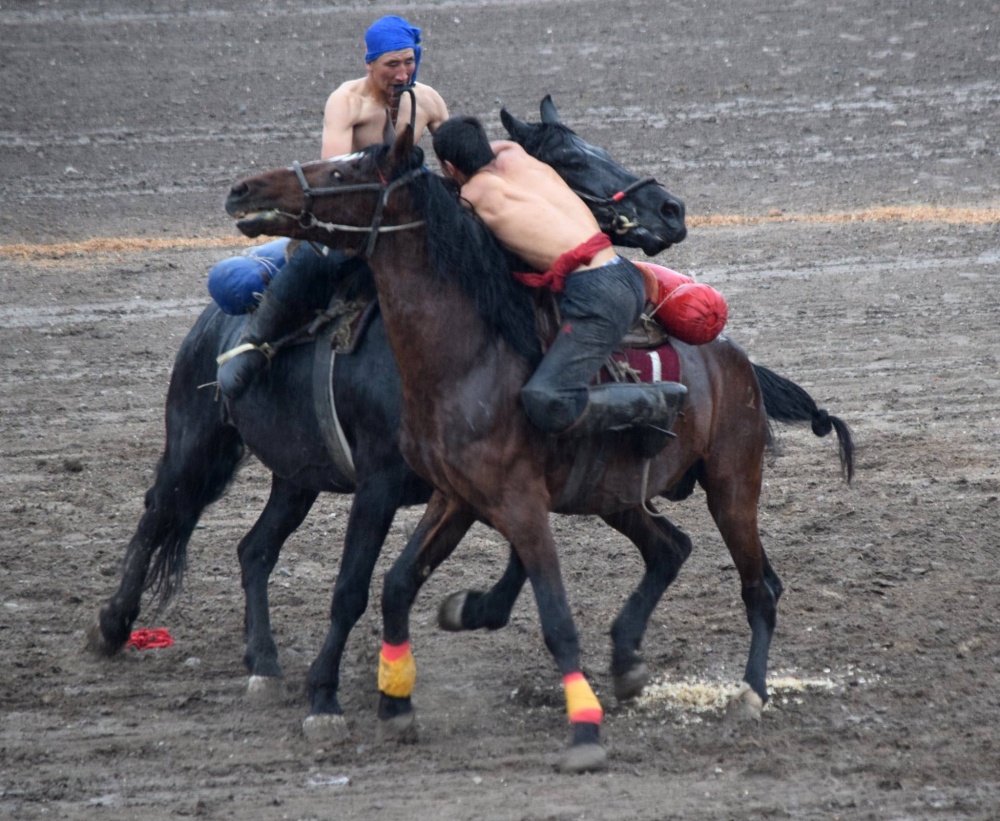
column 462, row 141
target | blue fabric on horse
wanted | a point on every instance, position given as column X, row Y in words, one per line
column 392, row 33
column 236, row 283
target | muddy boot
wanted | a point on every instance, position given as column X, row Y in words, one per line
column 244, row 363
column 301, row 288
column 647, row 408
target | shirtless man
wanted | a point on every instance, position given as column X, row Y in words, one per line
column 355, row 112
column 535, row 214
column 354, row 118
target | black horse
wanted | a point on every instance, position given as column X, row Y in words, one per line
column 286, row 420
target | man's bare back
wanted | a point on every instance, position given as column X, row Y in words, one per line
column 530, row 209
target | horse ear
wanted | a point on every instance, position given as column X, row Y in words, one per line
column 388, row 130
column 548, row 108
column 402, row 148
column 517, row 129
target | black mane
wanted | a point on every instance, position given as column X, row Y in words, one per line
column 463, row 251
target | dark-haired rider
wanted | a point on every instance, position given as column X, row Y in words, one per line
column 534, row 213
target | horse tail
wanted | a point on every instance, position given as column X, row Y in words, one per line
column 784, row 401
column 200, row 457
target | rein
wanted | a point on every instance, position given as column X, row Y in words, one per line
column 620, row 224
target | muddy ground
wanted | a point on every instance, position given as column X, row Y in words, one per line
column 130, row 120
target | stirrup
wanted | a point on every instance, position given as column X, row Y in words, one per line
column 264, row 348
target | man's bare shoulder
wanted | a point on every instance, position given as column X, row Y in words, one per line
column 349, row 88
column 432, row 103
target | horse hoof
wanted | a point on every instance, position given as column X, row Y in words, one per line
column 583, row 758
column 97, row 644
column 745, row 706
column 265, row 690
column 326, row 728
column 630, row 684
column 450, row 612
column 402, row 728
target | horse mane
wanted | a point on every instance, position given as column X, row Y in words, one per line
column 463, row 251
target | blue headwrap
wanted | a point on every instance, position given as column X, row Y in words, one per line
column 392, row 33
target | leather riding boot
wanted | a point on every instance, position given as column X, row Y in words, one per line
column 301, row 288
column 648, row 408
column 241, row 366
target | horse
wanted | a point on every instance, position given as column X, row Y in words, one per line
column 463, row 334
column 205, row 444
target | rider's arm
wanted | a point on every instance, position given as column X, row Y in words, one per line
column 437, row 110
column 338, row 125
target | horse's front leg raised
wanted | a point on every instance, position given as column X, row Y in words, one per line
column 441, row 528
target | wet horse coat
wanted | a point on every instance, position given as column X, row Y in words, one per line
column 464, row 432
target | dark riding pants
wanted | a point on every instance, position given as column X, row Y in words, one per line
column 597, row 307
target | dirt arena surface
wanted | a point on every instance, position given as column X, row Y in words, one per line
column 841, row 167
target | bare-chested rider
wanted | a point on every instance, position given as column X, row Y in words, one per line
column 353, row 118
column 534, row 213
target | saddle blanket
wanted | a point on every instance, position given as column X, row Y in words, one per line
column 657, row 365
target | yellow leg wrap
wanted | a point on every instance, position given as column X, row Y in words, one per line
column 397, row 670
column 581, row 703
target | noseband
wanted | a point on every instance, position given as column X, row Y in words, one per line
column 307, row 219
column 620, row 223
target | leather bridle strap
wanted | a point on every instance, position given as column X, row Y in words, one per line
column 620, row 224
column 307, row 219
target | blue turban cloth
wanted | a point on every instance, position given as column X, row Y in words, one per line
column 392, row 33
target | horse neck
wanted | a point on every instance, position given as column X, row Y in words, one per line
column 434, row 330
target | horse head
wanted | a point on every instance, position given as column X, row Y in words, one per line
column 342, row 202
column 638, row 213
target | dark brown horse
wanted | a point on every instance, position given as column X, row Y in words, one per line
column 463, row 335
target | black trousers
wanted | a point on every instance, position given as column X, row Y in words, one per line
column 597, row 306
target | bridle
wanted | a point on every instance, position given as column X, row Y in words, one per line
column 620, row 223
column 307, row 219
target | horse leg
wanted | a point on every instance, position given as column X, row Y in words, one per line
column 664, row 549
column 441, row 528
column 200, row 457
column 534, row 543
column 376, row 501
column 474, row 609
column 286, row 509
column 733, row 505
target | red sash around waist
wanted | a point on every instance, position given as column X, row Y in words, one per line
column 555, row 278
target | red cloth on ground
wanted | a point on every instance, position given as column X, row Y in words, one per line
column 555, row 278
column 150, row 639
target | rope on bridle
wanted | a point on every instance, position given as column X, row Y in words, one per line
column 621, row 224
